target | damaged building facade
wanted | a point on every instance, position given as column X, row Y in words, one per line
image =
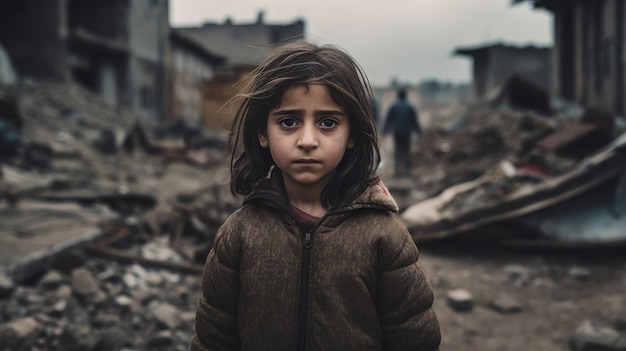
column 244, row 46
column 127, row 53
column 118, row 48
column 493, row 64
column 192, row 65
column 589, row 53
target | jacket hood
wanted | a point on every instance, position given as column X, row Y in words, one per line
column 375, row 196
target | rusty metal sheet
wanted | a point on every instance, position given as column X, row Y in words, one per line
column 589, row 218
column 559, row 139
column 436, row 218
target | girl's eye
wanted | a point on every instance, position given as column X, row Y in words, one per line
column 288, row 123
column 328, row 123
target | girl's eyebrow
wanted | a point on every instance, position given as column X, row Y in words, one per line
column 330, row 113
column 300, row 112
column 286, row 112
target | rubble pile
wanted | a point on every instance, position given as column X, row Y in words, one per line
column 481, row 139
column 154, row 194
column 500, row 164
column 93, row 304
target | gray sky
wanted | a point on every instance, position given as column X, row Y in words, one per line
column 410, row 40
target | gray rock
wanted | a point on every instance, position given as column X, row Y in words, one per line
column 112, row 339
column 125, row 303
column 19, row 334
column 517, row 274
column 106, row 320
column 167, row 315
column 505, row 303
column 581, row 274
column 83, row 282
column 460, row 300
column 161, row 339
column 590, row 337
column 85, row 286
column 51, row 280
column 57, row 308
column 77, row 337
column 6, row 285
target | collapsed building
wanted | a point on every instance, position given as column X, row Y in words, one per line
column 118, row 49
column 128, row 54
column 542, row 160
column 535, row 178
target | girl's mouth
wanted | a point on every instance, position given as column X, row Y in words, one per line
column 306, row 161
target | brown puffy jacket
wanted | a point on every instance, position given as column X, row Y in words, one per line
column 353, row 282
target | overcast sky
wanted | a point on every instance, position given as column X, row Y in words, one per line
column 410, row 40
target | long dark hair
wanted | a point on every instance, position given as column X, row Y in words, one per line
column 296, row 64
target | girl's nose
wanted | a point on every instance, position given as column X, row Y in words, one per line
column 308, row 138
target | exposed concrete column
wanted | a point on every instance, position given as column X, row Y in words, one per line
column 609, row 39
column 581, row 51
column 619, row 57
column 556, row 52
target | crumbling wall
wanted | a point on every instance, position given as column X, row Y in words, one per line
column 33, row 32
column 106, row 19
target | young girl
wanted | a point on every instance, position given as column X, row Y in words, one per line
column 315, row 259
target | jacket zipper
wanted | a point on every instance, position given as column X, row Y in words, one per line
column 307, row 243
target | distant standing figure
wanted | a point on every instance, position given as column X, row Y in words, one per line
column 403, row 118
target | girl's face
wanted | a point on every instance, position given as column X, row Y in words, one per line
column 307, row 136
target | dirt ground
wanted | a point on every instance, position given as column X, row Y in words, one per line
column 554, row 300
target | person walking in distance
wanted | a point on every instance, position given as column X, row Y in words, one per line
column 315, row 259
column 402, row 117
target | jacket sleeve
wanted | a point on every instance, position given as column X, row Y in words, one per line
column 216, row 315
column 405, row 299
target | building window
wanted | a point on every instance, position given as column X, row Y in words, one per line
column 147, row 97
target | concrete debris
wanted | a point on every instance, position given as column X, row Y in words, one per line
column 581, row 274
column 67, row 317
column 19, row 334
column 506, row 304
column 52, row 279
column 167, row 315
column 161, row 339
column 6, row 285
column 460, row 300
column 590, row 337
column 85, row 286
